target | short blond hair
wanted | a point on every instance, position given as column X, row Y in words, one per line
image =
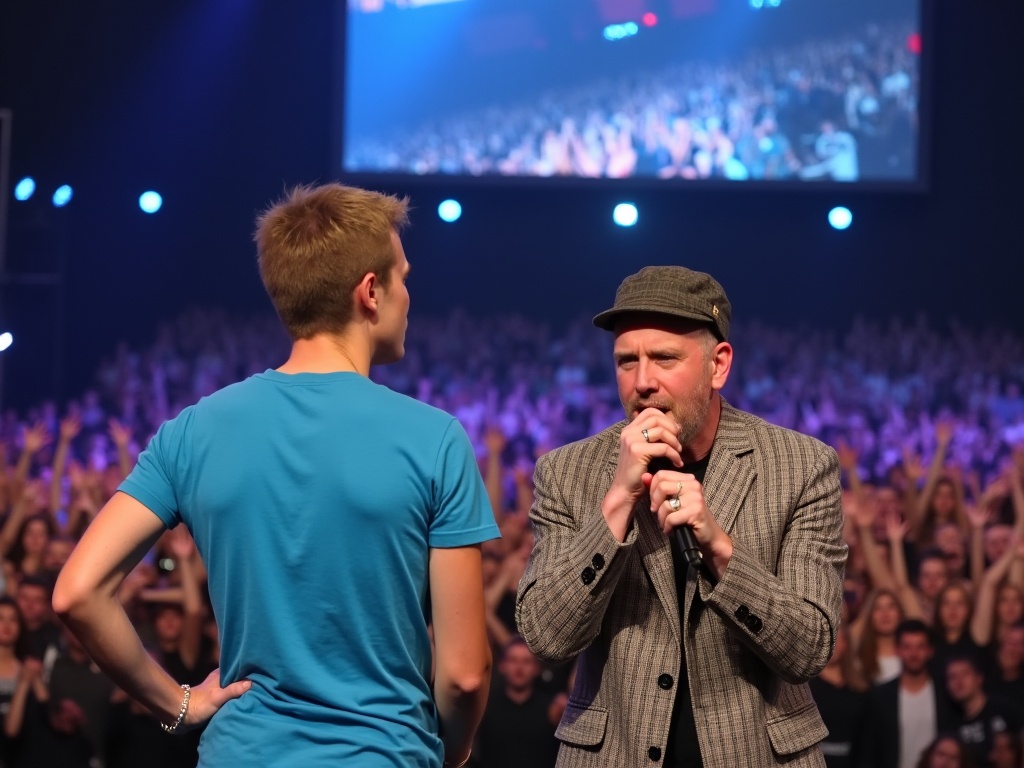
column 316, row 244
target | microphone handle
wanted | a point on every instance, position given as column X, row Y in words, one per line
column 688, row 545
column 684, row 534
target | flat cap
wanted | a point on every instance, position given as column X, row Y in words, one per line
column 673, row 291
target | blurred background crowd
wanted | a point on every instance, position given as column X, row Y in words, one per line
column 928, row 422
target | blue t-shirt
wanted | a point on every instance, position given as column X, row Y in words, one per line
column 314, row 500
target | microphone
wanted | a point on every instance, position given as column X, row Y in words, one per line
column 684, row 534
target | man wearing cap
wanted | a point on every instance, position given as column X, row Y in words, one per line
column 685, row 665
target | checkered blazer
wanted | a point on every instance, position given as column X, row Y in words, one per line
column 752, row 639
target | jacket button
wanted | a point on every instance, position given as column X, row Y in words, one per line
column 742, row 612
column 654, row 753
column 665, row 682
column 598, row 562
column 754, row 623
column 588, row 575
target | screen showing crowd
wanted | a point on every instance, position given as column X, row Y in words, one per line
column 766, row 90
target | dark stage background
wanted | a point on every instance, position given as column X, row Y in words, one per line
column 222, row 104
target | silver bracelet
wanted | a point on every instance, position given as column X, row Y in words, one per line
column 181, row 712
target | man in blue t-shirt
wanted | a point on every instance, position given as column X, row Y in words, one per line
column 339, row 521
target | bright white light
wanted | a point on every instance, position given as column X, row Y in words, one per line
column 6, row 339
column 840, row 217
column 625, row 214
column 150, row 202
column 24, row 189
column 62, row 196
column 449, row 210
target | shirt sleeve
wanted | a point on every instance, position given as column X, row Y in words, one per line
column 156, row 480
column 462, row 511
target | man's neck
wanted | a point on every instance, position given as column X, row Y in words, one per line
column 1009, row 668
column 973, row 706
column 700, row 446
column 519, row 695
column 327, row 353
column 914, row 682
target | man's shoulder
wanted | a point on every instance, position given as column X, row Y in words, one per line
column 587, row 450
column 242, row 394
column 764, row 434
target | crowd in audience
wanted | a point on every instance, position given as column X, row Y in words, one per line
column 928, row 422
column 832, row 109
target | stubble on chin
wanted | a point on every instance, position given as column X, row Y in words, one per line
column 689, row 417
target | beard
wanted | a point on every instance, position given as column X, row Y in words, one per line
column 690, row 412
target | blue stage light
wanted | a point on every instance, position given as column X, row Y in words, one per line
column 840, row 217
column 757, row 3
column 625, row 214
column 62, row 196
column 6, row 339
column 150, row 202
column 615, row 32
column 25, row 188
column 449, row 210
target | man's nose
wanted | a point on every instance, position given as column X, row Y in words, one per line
column 646, row 377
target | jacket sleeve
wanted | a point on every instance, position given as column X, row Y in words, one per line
column 573, row 569
column 789, row 617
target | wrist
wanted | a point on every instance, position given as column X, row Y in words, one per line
column 173, row 726
column 719, row 555
column 617, row 509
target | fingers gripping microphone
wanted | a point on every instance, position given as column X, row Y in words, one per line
column 684, row 534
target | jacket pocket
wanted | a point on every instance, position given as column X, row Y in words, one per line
column 582, row 725
column 796, row 731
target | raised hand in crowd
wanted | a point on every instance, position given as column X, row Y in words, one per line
column 121, row 436
column 522, row 473
column 865, row 518
column 34, row 439
column 984, row 622
column 70, row 427
column 29, row 682
column 495, row 442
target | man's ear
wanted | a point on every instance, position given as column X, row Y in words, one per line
column 721, row 364
column 366, row 294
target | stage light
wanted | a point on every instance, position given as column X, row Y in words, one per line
column 625, row 214
column 6, row 339
column 62, row 196
column 840, row 217
column 649, row 19
column 757, row 3
column 150, row 202
column 24, row 189
column 774, row 3
column 449, row 210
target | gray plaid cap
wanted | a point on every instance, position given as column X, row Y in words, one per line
column 674, row 291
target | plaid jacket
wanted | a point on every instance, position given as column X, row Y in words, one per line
column 752, row 640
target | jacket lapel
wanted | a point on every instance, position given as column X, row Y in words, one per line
column 731, row 469
column 728, row 478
